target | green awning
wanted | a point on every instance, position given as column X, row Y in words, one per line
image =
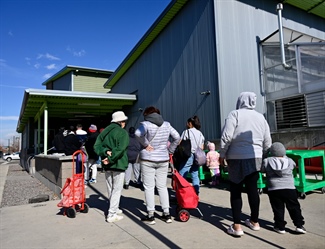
column 67, row 104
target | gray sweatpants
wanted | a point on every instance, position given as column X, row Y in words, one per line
column 136, row 173
column 155, row 174
column 114, row 182
column 91, row 164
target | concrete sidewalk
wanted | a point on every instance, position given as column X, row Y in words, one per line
column 42, row 225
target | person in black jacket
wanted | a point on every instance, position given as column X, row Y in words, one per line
column 71, row 143
column 133, row 153
column 58, row 141
column 92, row 156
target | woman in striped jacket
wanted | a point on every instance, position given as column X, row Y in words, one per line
column 154, row 134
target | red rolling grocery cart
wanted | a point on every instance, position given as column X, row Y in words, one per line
column 185, row 195
column 73, row 191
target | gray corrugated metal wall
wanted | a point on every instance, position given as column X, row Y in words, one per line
column 239, row 27
column 210, row 45
column 176, row 68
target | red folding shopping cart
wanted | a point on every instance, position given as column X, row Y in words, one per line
column 73, row 191
column 185, row 195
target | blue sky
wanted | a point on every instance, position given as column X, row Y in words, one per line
column 40, row 37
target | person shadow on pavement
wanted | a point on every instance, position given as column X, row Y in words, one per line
column 133, row 208
column 213, row 214
column 100, row 202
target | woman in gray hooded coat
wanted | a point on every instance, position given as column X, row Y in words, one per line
column 245, row 138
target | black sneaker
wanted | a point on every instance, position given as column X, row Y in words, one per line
column 126, row 186
column 278, row 230
column 167, row 218
column 301, row 230
column 149, row 220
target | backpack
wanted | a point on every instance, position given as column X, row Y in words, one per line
column 183, row 151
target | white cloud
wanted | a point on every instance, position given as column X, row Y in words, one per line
column 10, row 33
column 11, row 86
column 51, row 57
column 51, row 66
column 37, row 65
column 80, row 53
column 46, row 76
column 9, row 118
column 3, row 62
column 48, row 56
column 27, row 59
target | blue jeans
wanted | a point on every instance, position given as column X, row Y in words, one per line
column 191, row 167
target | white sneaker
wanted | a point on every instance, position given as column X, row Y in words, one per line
column 114, row 218
column 119, row 211
column 234, row 232
column 300, row 229
column 251, row 226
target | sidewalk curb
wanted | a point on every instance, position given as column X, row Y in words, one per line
column 3, row 175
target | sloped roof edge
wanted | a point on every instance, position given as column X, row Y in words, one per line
column 315, row 7
column 158, row 26
column 290, row 36
column 70, row 68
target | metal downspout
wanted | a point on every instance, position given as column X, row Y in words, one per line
column 38, row 136
column 279, row 9
column 46, row 126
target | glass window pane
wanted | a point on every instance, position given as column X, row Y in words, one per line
column 277, row 78
column 312, row 67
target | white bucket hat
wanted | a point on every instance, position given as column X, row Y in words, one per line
column 119, row 117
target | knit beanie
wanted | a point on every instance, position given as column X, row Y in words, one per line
column 277, row 149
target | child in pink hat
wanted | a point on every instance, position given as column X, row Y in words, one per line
column 213, row 163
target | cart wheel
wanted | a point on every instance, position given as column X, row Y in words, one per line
column 323, row 190
column 71, row 212
column 86, row 209
column 183, row 215
column 302, row 195
column 260, row 191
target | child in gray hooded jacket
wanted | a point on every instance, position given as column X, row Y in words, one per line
column 281, row 189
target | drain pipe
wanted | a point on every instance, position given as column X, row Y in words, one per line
column 279, row 9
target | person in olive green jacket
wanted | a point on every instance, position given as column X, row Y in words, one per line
column 111, row 145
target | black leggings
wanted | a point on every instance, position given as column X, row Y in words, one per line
column 236, row 202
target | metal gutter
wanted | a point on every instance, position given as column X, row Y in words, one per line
column 70, row 68
column 65, row 97
column 60, row 93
